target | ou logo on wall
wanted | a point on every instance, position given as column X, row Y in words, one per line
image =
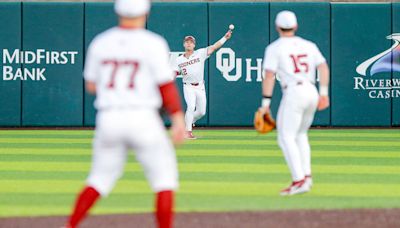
column 231, row 67
column 386, row 62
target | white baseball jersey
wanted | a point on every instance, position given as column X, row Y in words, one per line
column 128, row 66
column 293, row 59
column 192, row 68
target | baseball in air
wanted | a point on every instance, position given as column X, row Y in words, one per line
column 231, row 27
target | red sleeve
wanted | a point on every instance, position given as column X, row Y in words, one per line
column 170, row 97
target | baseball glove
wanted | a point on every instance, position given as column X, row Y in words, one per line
column 263, row 123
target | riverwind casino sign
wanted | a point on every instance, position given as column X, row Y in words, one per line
column 385, row 62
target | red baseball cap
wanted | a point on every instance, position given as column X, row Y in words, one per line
column 189, row 38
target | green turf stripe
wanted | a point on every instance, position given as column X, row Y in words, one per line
column 34, row 175
column 272, row 146
column 46, row 158
column 273, row 142
column 220, row 152
column 216, row 159
column 67, row 146
column 352, row 132
column 201, row 167
column 65, row 186
column 280, row 160
column 191, row 147
column 211, row 176
column 142, row 199
column 208, row 142
column 208, row 187
column 312, row 138
column 216, row 153
column 276, row 153
column 47, row 151
column 355, row 169
column 65, row 209
column 78, row 138
column 44, row 140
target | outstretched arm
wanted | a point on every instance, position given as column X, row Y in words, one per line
column 219, row 43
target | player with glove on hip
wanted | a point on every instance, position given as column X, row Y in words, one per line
column 191, row 66
column 295, row 60
column 127, row 67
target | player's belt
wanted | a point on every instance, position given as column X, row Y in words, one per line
column 193, row 84
column 297, row 83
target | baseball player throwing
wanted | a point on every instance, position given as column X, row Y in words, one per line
column 127, row 67
column 191, row 66
column 295, row 60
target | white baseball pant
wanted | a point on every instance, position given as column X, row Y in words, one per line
column 295, row 116
column 196, row 102
column 141, row 130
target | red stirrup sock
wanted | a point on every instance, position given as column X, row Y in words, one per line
column 164, row 209
column 84, row 202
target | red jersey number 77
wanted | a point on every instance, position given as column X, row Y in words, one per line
column 116, row 64
column 299, row 63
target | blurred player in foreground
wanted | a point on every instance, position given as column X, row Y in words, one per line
column 127, row 67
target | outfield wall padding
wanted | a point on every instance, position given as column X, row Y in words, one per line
column 354, row 38
column 234, row 102
column 10, row 38
column 57, row 101
column 358, row 33
column 98, row 18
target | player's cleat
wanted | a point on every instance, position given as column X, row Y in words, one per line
column 189, row 135
column 297, row 187
column 309, row 181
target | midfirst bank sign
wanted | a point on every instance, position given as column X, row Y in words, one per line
column 38, row 57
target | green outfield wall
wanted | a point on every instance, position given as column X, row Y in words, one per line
column 10, row 38
column 43, row 48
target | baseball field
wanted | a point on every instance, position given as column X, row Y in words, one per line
column 233, row 173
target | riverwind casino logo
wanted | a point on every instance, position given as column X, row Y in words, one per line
column 39, row 58
column 385, row 62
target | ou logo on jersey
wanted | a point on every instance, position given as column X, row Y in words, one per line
column 231, row 67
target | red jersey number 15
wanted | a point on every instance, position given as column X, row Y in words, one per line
column 299, row 63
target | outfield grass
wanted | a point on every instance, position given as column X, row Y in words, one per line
column 224, row 170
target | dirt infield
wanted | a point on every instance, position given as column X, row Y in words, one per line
column 363, row 218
